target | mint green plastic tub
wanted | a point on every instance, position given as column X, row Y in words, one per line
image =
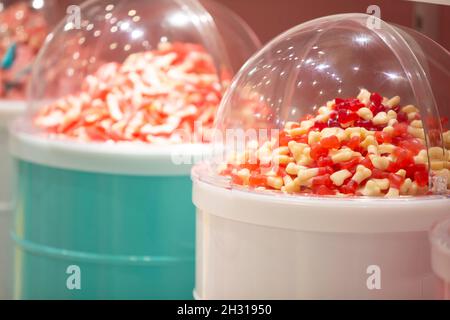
column 101, row 222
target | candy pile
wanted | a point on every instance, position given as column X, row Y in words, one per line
column 366, row 146
column 22, row 32
column 154, row 97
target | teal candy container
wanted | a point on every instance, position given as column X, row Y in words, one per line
column 120, row 103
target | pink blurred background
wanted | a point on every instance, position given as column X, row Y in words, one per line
column 271, row 17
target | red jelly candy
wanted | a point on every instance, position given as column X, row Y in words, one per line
column 324, row 162
column 376, row 99
column 349, row 188
column 320, row 125
column 395, row 180
column 421, row 178
column 353, row 143
column 400, row 129
column 413, row 145
column 346, row 116
column 383, row 137
column 331, row 142
column 379, row 174
column 257, row 180
column 324, row 191
column 350, row 165
column 333, row 123
column 235, row 179
column 317, row 151
column 404, row 157
column 325, row 170
column 283, row 139
column 367, row 163
column 322, row 180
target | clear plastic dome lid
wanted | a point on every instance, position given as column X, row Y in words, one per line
column 138, row 70
column 24, row 24
column 342, row 105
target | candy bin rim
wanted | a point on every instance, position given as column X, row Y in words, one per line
column 421, row 91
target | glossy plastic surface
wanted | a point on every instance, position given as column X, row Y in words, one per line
column 335, row 57
column 111, row 31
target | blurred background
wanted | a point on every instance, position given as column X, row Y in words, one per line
column 271, row 17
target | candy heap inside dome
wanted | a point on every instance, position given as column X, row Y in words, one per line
column 22, row 33
column 366, row 146
column 157, row 96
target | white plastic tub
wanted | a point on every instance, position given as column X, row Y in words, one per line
column 440, row 258
column 257, row 246
column 8, row 111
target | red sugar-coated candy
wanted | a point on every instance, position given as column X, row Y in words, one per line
column 333, row 123
column 413, row 168
column 338, row 101
column 404, row 157
column 367, row 163
column 349, row 165
column 402, row 117
column 257, row 180
column 346, row 116
column 318, row 151
column 413, row 145
column 235, row 179
column 250, row 166
column 383, row 137
column 396, row 109
column 379, row 174
column 325, row 170
column 421, row 178
column 324, row 162
column 348, row 104
column 324, row 191
column 377, row 109
column 349, row 187
column 333, row 115
column 395, row 180
column 393, row 167
column 283, row 139
column 376, row 99
column 353, row 143
column 280, row 170
column 320, row 125
column 301, row 139
column 227, row 171
column 400, row 129
column 322, row 180
column 366, row 124
column 331, row 142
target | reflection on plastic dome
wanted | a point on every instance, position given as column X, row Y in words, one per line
column 23, row 28
column 146, row 71
column 332, row 107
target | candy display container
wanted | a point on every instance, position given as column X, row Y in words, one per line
column 120, row 104
column 330, row 165
column 440, row 258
